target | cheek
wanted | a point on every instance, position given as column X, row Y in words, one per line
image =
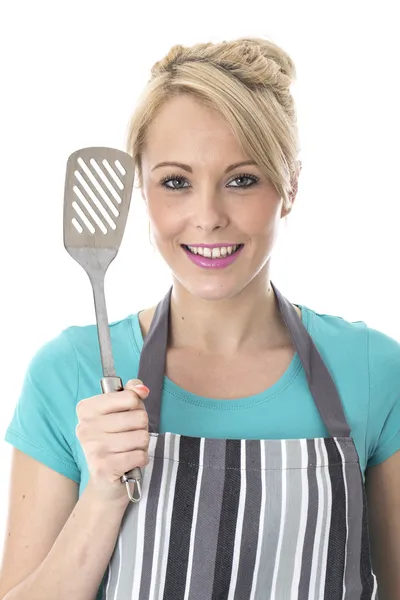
column 166, row 220
column 258, row 218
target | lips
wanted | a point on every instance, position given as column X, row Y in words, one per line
column 213, row 252
column 218, row 245
column 217, row 258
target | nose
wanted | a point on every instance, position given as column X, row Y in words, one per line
column 209, row 211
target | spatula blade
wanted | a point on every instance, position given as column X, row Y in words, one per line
column 98, row 189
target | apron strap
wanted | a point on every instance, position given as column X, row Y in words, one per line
column 152, row 360
column 322, row 386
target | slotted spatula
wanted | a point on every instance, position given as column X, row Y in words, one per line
column 98, row 190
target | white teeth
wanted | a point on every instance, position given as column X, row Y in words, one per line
column 214, row 252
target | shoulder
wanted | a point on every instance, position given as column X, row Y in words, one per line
column 356, row 340
column 125, row 343
column 337, row 339
column 85, row 342
column 54, row 357
column 365, row 365
column 74, row 352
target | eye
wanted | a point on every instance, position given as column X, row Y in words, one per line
column 244, row 180
column 174, row 182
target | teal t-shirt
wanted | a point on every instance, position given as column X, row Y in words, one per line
column 364, row 363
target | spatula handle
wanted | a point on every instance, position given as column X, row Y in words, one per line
column 114, row 384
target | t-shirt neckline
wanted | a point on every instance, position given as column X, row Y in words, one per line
column 277, row 388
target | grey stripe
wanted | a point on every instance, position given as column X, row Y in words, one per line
column 272, row 517
column 208, row 517
column 251, row 520
column 292, row 519
column 170, row 442
column 128, row 541
column 157, row 451
column 309, row 537
column 326, row 517
column 353, row 479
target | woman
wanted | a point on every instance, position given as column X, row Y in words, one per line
column 254, row 444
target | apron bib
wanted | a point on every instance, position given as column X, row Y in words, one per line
column 245, row 519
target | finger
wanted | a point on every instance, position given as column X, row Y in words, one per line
column 126, row 442
column 119, row 402
column 136, row 385
column 126, row 421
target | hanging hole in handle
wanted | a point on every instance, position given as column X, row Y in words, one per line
column 134, row 494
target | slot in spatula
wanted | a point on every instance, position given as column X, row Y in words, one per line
column 98, row 190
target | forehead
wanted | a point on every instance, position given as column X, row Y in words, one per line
column 185, row 125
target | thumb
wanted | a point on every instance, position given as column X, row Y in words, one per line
column 136, row 385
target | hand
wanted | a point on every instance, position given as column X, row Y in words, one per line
column 113, row 432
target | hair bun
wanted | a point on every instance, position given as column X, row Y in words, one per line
column 254, row 61
column 268, row 63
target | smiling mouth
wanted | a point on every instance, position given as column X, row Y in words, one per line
column 219, row 252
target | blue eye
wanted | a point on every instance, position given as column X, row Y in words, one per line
column 245, row 180
column 176, row 180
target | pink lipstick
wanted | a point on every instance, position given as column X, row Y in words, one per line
column 213, row 263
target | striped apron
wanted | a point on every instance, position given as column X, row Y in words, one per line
column 245, row 519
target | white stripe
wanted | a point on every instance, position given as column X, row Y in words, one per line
column 303, row 520
column 141, row 519
column 318, row 528
column 328, row 518
column 159, row 520
column 262, row 521
column 167, row 524
column 194, row 522
column 239, row 521
column 347, row 514
column 282, row 521
column 374, row 596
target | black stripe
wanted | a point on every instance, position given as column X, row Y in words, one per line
column 338, row 532
column 312, row 514
column 367, row 580
column 251, row 520
column 181, row 519
column 227, row 524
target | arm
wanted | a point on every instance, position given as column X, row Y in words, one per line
column 56, row 545
column 383, row 494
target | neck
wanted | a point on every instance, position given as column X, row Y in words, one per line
column 248, row 322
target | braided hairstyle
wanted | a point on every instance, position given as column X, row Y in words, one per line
column 248, row 81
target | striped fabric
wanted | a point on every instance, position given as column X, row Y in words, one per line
column 245, row 520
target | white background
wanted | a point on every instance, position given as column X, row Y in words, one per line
column 71, row 73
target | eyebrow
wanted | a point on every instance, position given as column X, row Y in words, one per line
column 189, row 169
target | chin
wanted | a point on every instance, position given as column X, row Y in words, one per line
column 214, row 290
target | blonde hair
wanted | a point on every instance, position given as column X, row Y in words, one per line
column 248, row 82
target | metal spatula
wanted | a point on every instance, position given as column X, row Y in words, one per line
column 98, row 190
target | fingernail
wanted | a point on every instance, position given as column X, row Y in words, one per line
column 142, row 387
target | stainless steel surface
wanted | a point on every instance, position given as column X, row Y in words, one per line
column 111, row 384
column 97, row 196
column 135, row 494
column 96, row 261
